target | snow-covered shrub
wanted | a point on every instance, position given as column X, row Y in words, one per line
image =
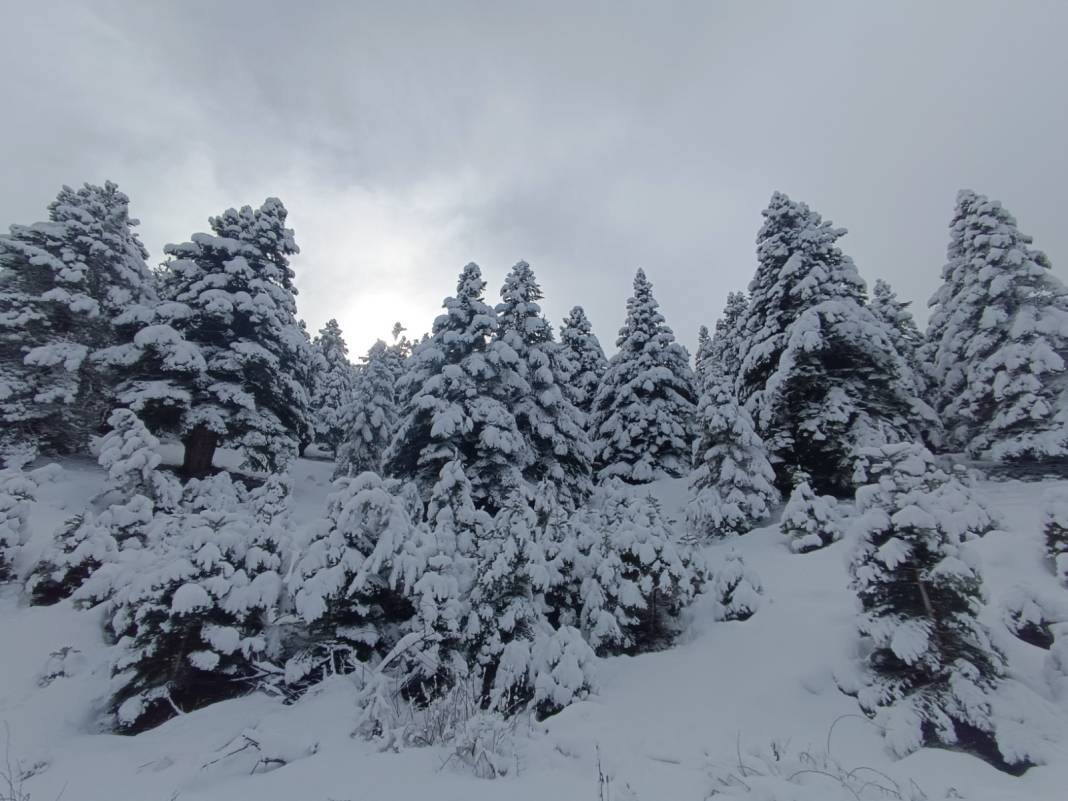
column 84, row 545
column 216, row 493
column 17, row 492
column 732, row 484
column 190, row 619
column 810, row 521
column 1030, row 616
column 933, row 669
column 129, row 454
column 737, row 589
column 563, row 669
column 1056, row 532
column 635, row 579
column 353, row 584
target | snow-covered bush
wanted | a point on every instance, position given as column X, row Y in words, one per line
column 129, row 454
column 190, row 619
column 353, row 585
column 1056, row 532
column 84, row 545
column 933, row 669
column 17, row 491
column 635, row 580
column 732, row 483
column 1030, row 616
column 736, row 589
column 811, row 521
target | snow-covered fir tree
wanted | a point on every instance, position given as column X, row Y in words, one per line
column 726, row 345
column 353, row 583
column 635, row 580
column 997, row 339
column 583, row 352
column 818, row 372
column 736, row 589
column 701, row 357
column 1055, row 529
column 370, row 416
column 932, row 667
column 811, row 521
column 62, row 284
column 219, row 360
column 190, row 621
column 333, row 385
column 551, row 424
column 17, row 494
column 459, row 383
column 732, row 484
column 642, row 413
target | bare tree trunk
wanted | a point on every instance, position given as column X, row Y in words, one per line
column 199, row 452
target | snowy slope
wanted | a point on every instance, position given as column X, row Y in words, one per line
column 665, row 726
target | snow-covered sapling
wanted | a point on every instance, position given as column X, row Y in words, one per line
column 737, row 589
column 933, row 669
column 1056, row 532
column 811, row 521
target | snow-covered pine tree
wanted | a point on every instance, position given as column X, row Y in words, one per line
column 701, row 357
column 190, row 620
column 219, row 360
column 333, row 385
column 556, row 537
column 370, row 416
column 642, row 413
column 550, row 423
column 732, row 484
column 17, row 493
column 62, row 284
column 353, row 583
column 998, row 338
column 811, row 521
column 737, row 589
column 726, row 344
column 583, row 352
column 1055, row 529
column 459, row 383
column 933, row 668
column 819, row 373
column 635, row 581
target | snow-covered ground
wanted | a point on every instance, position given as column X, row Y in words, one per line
column 710, row 714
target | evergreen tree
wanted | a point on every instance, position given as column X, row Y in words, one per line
column 811, row 521
column 643, row 410
column 732, row 484
column 333, row 385
column 62, row 284
column 553, row 428
column 701, row 358
column 933, row 668
column 370, row 416
column 459, row 384
column 819, row 373
column 190, row 620
column 220, row 359
column 998, row 338
column 353, row 584
column 737, row 589
column 727, row 344
column 583, row 352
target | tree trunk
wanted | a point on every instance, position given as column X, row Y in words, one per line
column 199, row 452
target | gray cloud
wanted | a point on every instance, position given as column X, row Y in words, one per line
column 589, row 139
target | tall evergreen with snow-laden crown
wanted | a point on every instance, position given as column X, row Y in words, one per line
column 459, row 384
column 818, row 371
column 642, row 413
column 370, row 415
column 585, row 356
column 220, row 358
column 333, row 385
column 997, row 339
column 62, row 284
column 726, row 344
column 553, row 428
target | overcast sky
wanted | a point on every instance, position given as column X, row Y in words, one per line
column 590, row 139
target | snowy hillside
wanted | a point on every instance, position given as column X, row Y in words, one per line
column 747, row 708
